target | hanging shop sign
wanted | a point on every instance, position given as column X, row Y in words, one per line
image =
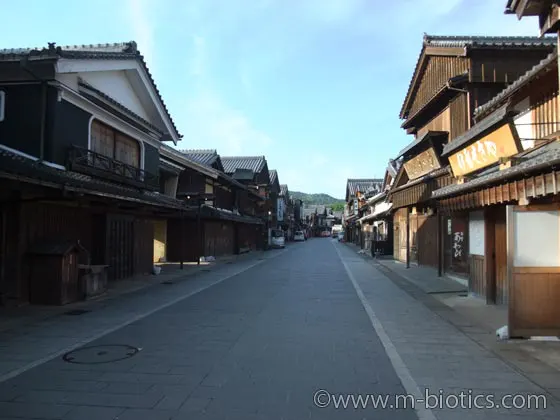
column 422, row 164
column 500, row 143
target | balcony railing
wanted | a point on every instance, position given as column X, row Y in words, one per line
column 100, row 166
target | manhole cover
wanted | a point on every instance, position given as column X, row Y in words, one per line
column 77, row 312
column 167, row 282
column 100, row 354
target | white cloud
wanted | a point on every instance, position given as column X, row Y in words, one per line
column 210, row 123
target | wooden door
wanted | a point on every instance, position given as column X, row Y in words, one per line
column 500, row 256
column 427, row 240
column 120, row 246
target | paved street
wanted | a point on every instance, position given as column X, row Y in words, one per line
column 258, row 340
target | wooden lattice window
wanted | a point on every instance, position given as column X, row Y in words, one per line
column 110, row 143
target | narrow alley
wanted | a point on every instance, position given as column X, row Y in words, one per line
column 312, row 331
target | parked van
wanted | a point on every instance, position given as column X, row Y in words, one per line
column 277, row 239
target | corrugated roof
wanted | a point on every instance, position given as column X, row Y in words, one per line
column 252, row 163
column 542, row 157
column 114, row 51
column 206, row 157
column 273, row 175
column 364, row 186
column 470, row 42
column 545, row 65
column 283, row 189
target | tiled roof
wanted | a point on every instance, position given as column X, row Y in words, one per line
column 115, row 51
column 15, row 164
column 283, row 189
column 364, row 186
column 543, row 157
column 470, row 42
column 252, row 163
column 546, row 64
column 273, row 174
column 205, row 157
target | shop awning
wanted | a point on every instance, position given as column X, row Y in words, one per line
column 380, row 210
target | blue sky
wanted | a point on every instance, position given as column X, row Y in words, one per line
column 314, row 85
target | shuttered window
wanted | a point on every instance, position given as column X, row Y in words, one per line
column 110, row 143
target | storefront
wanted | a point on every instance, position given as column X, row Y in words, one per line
column 415, row 220
column 508, row 190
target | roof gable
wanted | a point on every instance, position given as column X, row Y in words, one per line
column 253, row 163
column 118, row 70
column 274, row 181
column 456, row 48
column 365, row 186
column 207, row 157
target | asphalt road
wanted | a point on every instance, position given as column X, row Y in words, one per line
column 294, row 337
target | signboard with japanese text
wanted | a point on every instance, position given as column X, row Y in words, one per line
column 500, row 143
column 422, row 164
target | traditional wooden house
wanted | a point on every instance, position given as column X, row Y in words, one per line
column 275, row 200
column 286, row 211
column 547, row 11
column 227, row 219
column 507, row 181
column 80, row 142
column 453, row 76
column 379, row 215
column 252, row 171
column 356, row 191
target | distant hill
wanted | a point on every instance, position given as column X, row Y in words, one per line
column 317, row 199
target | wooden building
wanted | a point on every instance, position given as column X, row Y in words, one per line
column 253, row 172
column 229, row 221
column 356, row 191
column 80, row 144
column 379, row 215
column 453, row 76
column 547, row 11
column 505, row 167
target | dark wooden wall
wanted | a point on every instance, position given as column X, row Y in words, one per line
column 459, row 115
column 31, row 223
column 427, row 240
column 438, row 71
column 477, row 277
column 504, row 66
column 218, row 238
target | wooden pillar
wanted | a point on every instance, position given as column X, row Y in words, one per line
column 490, row 255
column 439, row 242
column 407, row 237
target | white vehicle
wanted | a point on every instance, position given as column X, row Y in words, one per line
column 299, row 236
column 278, row 238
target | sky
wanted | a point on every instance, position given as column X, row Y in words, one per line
column 315, row 86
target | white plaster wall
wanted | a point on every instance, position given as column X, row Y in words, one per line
column 536, row 239
column 522, row 124
column 68, row 79
column 117, row 86
column 476, row 233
